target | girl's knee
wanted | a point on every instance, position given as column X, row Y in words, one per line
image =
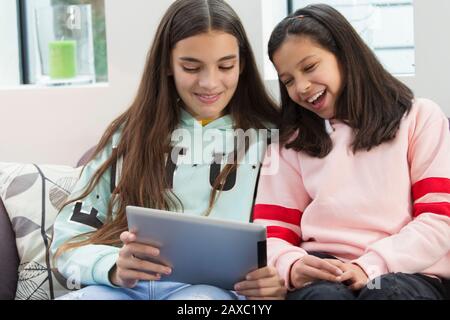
column 387, row 289
column 202, row 292
column 96, row 292
column 322, row 290
column 399, row 286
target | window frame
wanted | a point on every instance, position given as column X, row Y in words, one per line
column 10, row 53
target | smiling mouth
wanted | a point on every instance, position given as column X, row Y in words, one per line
column 208, row 98
column 317, row 98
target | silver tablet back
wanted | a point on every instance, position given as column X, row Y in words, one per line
column 201, row 250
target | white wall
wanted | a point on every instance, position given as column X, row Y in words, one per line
column 56, row 125
column 432, row 78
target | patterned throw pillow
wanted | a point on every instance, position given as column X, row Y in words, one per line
column 33, row 196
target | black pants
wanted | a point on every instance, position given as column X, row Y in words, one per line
column 391, row 286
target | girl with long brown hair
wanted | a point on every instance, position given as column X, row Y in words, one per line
column 200, row 75
column 360, row 205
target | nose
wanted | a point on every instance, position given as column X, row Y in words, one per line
column 209, row 79
column 303, row 86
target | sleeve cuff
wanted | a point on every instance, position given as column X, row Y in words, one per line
column 284, row 265
column 100, row 273
column 372, row 264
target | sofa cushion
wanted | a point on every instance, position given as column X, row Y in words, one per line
column 9, row 261
column 86, row 157
column 32, row 196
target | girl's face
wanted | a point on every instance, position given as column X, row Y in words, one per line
column 206, row 70
column 311, row 74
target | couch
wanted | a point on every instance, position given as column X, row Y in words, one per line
column 30, row 198
column 26, row 271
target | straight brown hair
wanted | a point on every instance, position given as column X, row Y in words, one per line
column 372, row 102
column 148, row 124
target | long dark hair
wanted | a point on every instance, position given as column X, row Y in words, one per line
column 372, row 101
column 148, row 124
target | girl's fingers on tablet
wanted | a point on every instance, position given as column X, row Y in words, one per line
column 256, row 284
column 135, row 263
column 127, row 237
column 260, row 273
column 143, row 250
column 147, row 266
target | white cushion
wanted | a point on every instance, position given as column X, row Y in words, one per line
column 33, row 196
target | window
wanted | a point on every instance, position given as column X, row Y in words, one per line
column 377, row 23
column 9, row 44
column 28, row 31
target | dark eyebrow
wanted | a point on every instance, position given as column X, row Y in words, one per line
column 230, row 57
column 189, row 59
column 301, row 61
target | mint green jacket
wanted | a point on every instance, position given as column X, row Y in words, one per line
column 192, row 177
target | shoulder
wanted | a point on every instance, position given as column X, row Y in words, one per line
column 424, row 110
column 425, row 113
column 425, row 118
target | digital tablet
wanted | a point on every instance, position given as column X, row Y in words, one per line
column 200, row 250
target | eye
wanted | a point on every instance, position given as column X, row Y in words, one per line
column 191, row 70
column 226, row 67
column 310, row 67
column 287, row 82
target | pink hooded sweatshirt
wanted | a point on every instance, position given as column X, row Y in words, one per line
column 387, row 209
